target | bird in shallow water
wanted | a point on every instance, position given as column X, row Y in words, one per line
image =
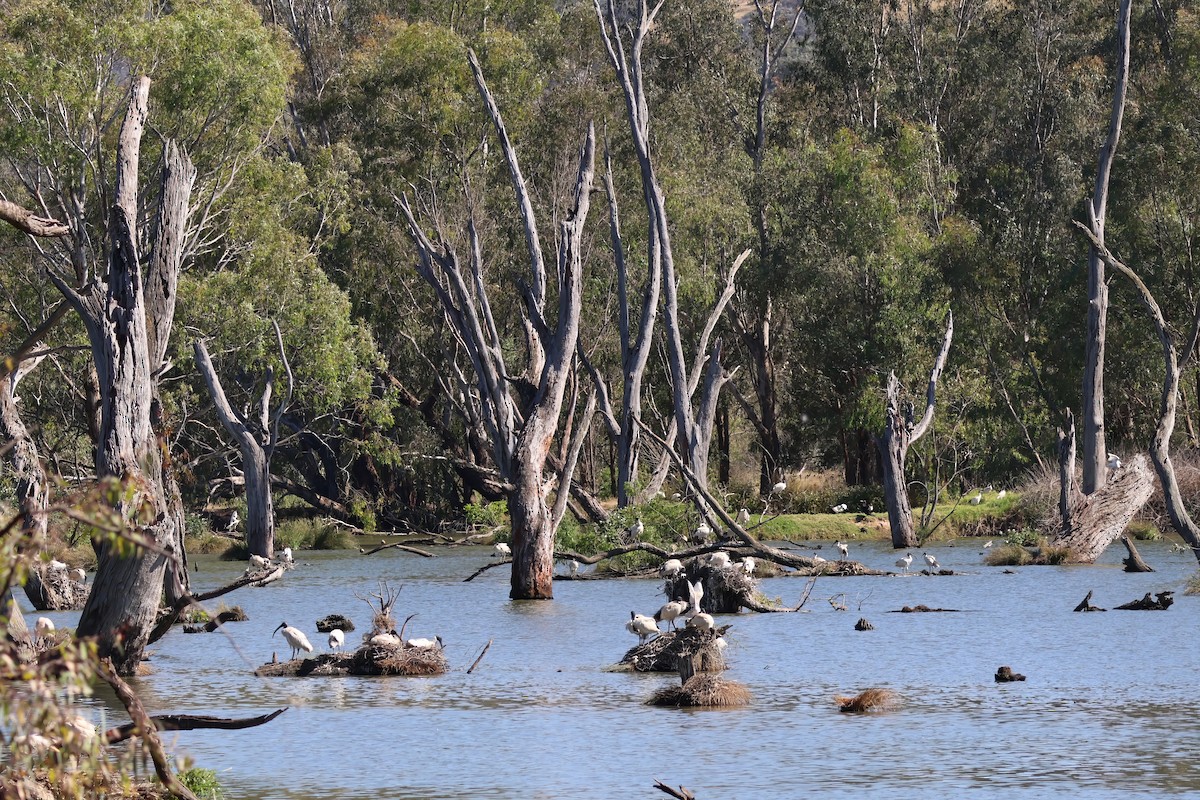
column 295, row 637
column 641, row 625
column 904, row 563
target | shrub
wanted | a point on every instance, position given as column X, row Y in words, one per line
column 202, row 782
column 487, row 515
column 1144, row 530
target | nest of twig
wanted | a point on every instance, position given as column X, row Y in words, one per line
column 385, row 659
column 868, row 701
column 703, row 690
column 662, row 653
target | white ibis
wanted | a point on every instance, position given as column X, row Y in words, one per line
column 987, row 544
column 79, row 575
column 671, row 612
column 695, row 595
column 44, row 627
column 336, row 639
column 676, row 496
column 779, row 487
column 748, row 565
column 434, row 642
column 719, row 560
column 1114, row 461
column 702, row 532
column 1000, row 495
column 843, row 548
column 671, row 567
column 57, row 565
column 703, row 622
column 743, row 516
column 295, row 637
column 233, row 521
column 818, row 560
column 574, row 567
column 641, row 625
column 977, row 499
column 501, row 550
column 259, row 562
column 638, row 529
column 904, row 563
column 389, row 639
column 932, row 561
column 287, row 555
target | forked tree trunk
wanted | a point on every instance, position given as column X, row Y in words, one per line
column 899, row 433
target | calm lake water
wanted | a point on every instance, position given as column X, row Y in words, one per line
column 1110, row 707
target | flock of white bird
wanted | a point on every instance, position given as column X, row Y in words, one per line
column 689, row 610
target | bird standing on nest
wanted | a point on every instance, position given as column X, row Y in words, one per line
column 748, row 565
column 336, row 638
column 671, row 612
column 642, row 626
column 295, row 637
column 843, row 548
column 703, row 622
column 719, row 560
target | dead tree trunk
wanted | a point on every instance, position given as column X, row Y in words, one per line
column 257, row 441
column 693, row 429
column 32, row 484
column 899, row 433
column 1160, row 451
column 521, row 440
column 1095, row 453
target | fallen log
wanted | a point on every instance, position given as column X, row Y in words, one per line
column 189, row 722
column 1086, row 604
column 1160, row 602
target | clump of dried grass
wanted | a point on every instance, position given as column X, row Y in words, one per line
column 1014, row 555
column 704, row 690
column 1193, row 585
column 868, row 700
column 382, row 659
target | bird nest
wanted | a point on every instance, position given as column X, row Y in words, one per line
column 662, row 653
column 869, row 700
column 370, row 659
column 386, row 659
column 702, row 690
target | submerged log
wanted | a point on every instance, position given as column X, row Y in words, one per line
column 1006, row 675
column 920, row 609
column 1160, row 602
column 1086, row 604
column 1133, row 562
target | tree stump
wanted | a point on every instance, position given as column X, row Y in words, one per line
column 1006, row 675
column 1086, row 604
column 50, row 589
column 1133, row 562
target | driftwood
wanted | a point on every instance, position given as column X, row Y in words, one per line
column 385, row 546
column 189, row 722
column 1086, row 604
column 919, row 609
column 482, row 653
column 682, row 793
column 1133, row 562
column 1160, row 602
column 1006, row 675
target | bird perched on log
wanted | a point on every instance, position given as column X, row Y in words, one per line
column 671, row 612
column 719, row 560
column 748, row 565
column 843, row 548
column 574, row 567
column 743, row 516
column 336, row 639
column 259, row 562
column 1114, row 461
column 671, row 567
column 904, row 563
column 295, row 637
column 932, row 561
column 501, row 550
column 641, row 625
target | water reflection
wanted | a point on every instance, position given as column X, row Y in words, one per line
column 1109, row 708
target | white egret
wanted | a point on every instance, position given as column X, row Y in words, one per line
column 843, row 548
column 748, row 565
column 1114, row 461
column 44, row 627
column 638, row 529
column 719, row 560
column 1000, row 495
column 295, row 637
column 703, row 622
column 779, row 487
column 743, row 516
column 671, row 612
column 336, row 639
column 932, row 561
column 233, row 521
column 977, row 499
column 641, row 625
column 904, row 563
column 574, row 567
column 501, row 550
column 671, row 567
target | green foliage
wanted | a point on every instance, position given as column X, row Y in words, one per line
column 1144, row 531
column 203, row 783
column 487, row 515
